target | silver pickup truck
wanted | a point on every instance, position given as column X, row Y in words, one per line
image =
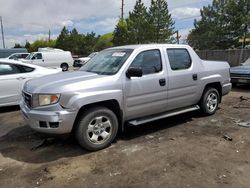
column 124, row 85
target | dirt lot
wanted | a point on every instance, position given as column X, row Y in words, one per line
column 182, row 151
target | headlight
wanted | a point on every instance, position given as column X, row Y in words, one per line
column 45, row 99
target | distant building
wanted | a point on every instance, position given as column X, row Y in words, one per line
column 7, row 52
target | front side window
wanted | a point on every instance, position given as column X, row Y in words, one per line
column 6, row 69
column 23, row 56
column 149, row 61
column 107, row 62
column 37, row 56
column 179, row 59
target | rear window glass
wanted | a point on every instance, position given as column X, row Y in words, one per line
column 179, row 59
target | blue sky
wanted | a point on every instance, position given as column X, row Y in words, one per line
column 31, row 20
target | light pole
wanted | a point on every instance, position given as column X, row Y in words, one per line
column 2, row 31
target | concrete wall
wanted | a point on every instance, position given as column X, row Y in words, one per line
column 233, row 57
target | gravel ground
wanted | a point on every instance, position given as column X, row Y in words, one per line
column 183, row 151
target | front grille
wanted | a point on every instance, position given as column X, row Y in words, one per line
column 27, row 99
column 236, row 75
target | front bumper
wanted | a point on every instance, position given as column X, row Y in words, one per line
column 58, row 121
column 240, row 80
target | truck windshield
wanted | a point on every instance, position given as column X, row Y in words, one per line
column 107, row 62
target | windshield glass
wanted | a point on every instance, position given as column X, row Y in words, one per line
column 247, row 62
column 107, row 62
column 29, row 56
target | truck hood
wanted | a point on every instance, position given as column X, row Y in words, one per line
column 63, row 82
column 240, row 69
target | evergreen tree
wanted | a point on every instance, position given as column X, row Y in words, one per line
column 63, row 40
column 161, row 25
column 121, row 33
column 27, row 46
column 221, row 26
column 137, row 24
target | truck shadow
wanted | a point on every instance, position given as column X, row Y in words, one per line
column 24, row 144
column 245, row 88
column 9, row 109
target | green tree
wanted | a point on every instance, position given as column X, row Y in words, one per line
column 121, row 33
column 104, row 41
column 28, row 46
column 63, row 40
column 88, row 46
column 42, row 44
column 17, row 45
column 161, row 25
column 221, row 26
column 137, row 24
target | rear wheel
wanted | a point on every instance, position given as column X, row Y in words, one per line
column 64, row 66
column 210, row 101
column 97, row 128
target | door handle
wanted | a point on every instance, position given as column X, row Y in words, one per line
column 162, row 82
column 195, row 76
column 21, row 78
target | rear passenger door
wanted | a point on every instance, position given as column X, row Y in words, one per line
column 183, row 78
column 146, row 95
column 11, row 82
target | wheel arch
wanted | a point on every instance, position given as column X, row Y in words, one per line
column 112, row 105
column 217, row 86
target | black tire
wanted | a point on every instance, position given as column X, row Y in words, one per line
column 93, row 126
column 65, row 67
column 207, row 105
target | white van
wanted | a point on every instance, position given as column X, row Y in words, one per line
column 52, row 58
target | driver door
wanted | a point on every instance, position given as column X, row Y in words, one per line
column 146, row 95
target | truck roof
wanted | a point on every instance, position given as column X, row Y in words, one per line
column 150, row 45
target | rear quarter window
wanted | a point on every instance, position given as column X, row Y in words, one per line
column 179, row 59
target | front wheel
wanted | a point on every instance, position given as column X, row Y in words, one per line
column 64, row 67
column 97, row 128
column 210, row 101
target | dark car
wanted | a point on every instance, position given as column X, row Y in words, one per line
column 241, row 74
column 78, row 63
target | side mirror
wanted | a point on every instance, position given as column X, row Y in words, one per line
column 134, row 72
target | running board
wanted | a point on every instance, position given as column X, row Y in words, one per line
column 164, row 115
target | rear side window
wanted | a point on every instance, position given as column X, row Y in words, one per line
column 25, row 69
column 6, row 69
column 149, row 61
column 179, row 59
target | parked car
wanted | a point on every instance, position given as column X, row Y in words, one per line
column 124, row 85
column 77, row 63
column 13, row 75
column 17, row 56
column 85, row 59
column 51, row 58
column 241, row 74
column 7, row 52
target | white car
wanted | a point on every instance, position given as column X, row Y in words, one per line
column 13, row 75
column 51, row 58
column 85, row 59
column 17, row 56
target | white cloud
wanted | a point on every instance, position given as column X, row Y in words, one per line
column 37, row 16
column 185, row 12
column 32, row 17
